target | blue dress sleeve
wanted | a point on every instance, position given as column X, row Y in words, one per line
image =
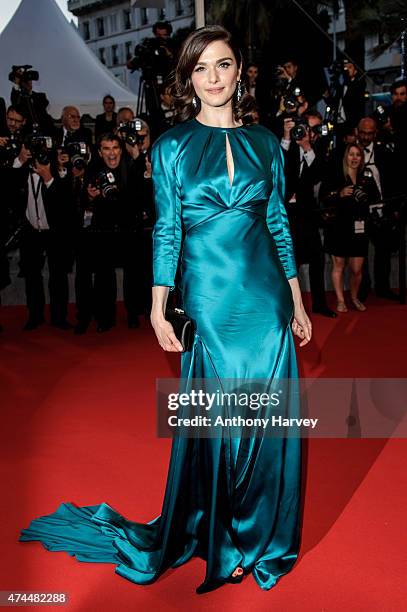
column 167, row 233
column 277, row 220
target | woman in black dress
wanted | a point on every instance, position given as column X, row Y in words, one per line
column 346, row 197
column 106, row 122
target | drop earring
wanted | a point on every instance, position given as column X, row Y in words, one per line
column 194, row 103
column 239, row 90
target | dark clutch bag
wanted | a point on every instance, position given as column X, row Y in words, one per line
column 183, row 326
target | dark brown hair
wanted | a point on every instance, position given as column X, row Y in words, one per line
column 181, row 87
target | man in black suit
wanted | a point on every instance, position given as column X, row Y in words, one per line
column 382, row 162
column 304, row 164
column 48, row 217
column 71, row 130
column 11, row 138
column 108, row 209
column 351, row 105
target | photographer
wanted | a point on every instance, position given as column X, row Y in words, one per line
column 136, row 253
column 34, row 104
column 71, row 130
column 137, row 233
column 285, row 83
column 125, row 130
column 351, row 97
column 382, row 162
column 107, row 206
column 46, row 233
column 11, row 140
column 304, row 166
column 155, row 58
column 346, row 195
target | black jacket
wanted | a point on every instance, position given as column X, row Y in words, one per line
column 81, row 135
column 302, row 186
column 120, row 209
column 57, row 198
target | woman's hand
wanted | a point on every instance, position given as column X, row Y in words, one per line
column 301, row 325
column 165, row 334
column 346, row 192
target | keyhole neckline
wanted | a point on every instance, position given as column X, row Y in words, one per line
column 227, row 141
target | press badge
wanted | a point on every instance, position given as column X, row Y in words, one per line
column 359, row 227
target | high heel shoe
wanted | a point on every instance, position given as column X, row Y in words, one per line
column 358, row 305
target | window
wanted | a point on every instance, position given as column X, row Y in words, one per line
column 86, row 30
column 115, row 55
column 102, row 55
column 127, row 20
column 161, row 14
column 100, row 23
column 128, row 51
column 178, row 7
column 113, row 23
column 144, row 16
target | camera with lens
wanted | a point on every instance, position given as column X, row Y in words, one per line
column 23, row 73
column 154, row 57
column 10, row 151
column 359, row 192
column 105, row 181
column 381, row 115
column 291, row 101
column 338, row 68
column 128, row 132
column 40, row 147
column 323, row 129
column 300, row 129
column 78, row 154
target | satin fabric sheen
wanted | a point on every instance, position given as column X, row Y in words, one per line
column 231, row 501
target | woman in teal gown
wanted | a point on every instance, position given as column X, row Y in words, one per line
column 219, row 199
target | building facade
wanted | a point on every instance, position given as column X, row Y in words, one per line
column 382, row 71
column 112, row 28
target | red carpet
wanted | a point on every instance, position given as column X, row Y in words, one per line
column 79, row 425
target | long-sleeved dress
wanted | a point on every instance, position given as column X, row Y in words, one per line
column 230, row 500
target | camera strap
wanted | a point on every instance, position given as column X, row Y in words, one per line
column 36, row 193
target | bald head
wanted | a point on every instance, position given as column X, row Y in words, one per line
column 367, row 129
column 71, row 118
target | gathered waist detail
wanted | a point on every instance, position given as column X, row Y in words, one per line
column 254, row 212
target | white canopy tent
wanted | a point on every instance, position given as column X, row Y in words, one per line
column 39, row 34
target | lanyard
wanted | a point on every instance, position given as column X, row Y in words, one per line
column 36, row 193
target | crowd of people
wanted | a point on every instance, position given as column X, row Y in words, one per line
column 83, row 198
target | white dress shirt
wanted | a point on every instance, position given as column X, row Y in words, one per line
column 35, row 211
column 370, row 163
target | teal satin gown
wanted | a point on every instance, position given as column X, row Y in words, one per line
column 231, row 501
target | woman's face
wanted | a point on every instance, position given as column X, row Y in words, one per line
column 354, row 158
column 215, row 74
